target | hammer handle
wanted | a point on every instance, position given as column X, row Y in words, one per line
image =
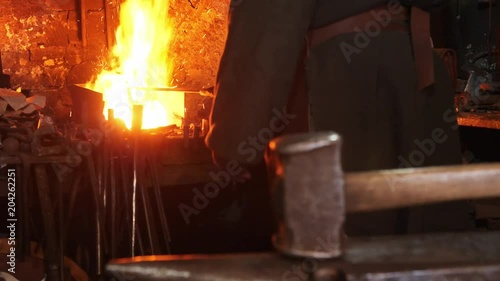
column 382, row 190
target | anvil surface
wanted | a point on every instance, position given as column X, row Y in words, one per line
column 433, row 257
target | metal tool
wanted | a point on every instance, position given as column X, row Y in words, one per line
column 136, row 128
column 311, row 196
column 53, row 257
column 309, row 190
column 173, row 89
column 480, row 92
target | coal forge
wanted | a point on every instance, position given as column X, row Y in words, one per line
column 103, row 112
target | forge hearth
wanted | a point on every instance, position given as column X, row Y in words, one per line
column 46, row 45
column 49, row 46
column 118, row 173
column 88, row 108
column 79, row 167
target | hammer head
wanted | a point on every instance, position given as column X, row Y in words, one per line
column 307, row 188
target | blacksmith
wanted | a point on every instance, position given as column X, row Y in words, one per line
column 363, row 68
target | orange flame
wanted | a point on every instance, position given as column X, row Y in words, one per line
column 141, row 63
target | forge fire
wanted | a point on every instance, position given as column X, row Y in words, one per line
column 48, row 45
column 139, row 63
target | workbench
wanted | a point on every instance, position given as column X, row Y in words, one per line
column 483, row 146
column 479, row 120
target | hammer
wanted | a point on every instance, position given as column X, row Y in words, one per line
column 312, row 195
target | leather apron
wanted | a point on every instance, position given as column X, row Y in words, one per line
column 419, row 28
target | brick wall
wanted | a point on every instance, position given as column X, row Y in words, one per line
column 43, row 51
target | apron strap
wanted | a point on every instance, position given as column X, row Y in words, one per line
column 422, row 47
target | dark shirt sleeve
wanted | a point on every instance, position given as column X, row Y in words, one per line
column 265, row 41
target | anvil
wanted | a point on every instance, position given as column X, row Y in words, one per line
column 311, row 197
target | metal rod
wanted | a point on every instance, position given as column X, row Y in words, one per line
column 148, row 214
column 95, row 191
column 110, row 156
column 113, row 203
column 105, row 183
column 157, row 89
column 137, row 115
column 50, row 250
column 146, row 201
column 105, row 177
column 128, row 203
column 99, row 215
column 125, row 191
column 74, row 191
column 60, row 228
column 159, row 202
column 380, row 190
column 98, row 246
column 101, row 230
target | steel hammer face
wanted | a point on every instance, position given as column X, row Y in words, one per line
column 307, row 187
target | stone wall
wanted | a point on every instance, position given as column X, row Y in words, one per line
column 44, row 47
column 199, row 42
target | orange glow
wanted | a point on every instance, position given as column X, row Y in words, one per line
column 139, row 62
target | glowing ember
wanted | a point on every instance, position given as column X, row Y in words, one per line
column 140, row 61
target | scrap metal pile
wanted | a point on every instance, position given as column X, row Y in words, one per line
column 46, row 155
column 18, row 118
column 25, row 130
